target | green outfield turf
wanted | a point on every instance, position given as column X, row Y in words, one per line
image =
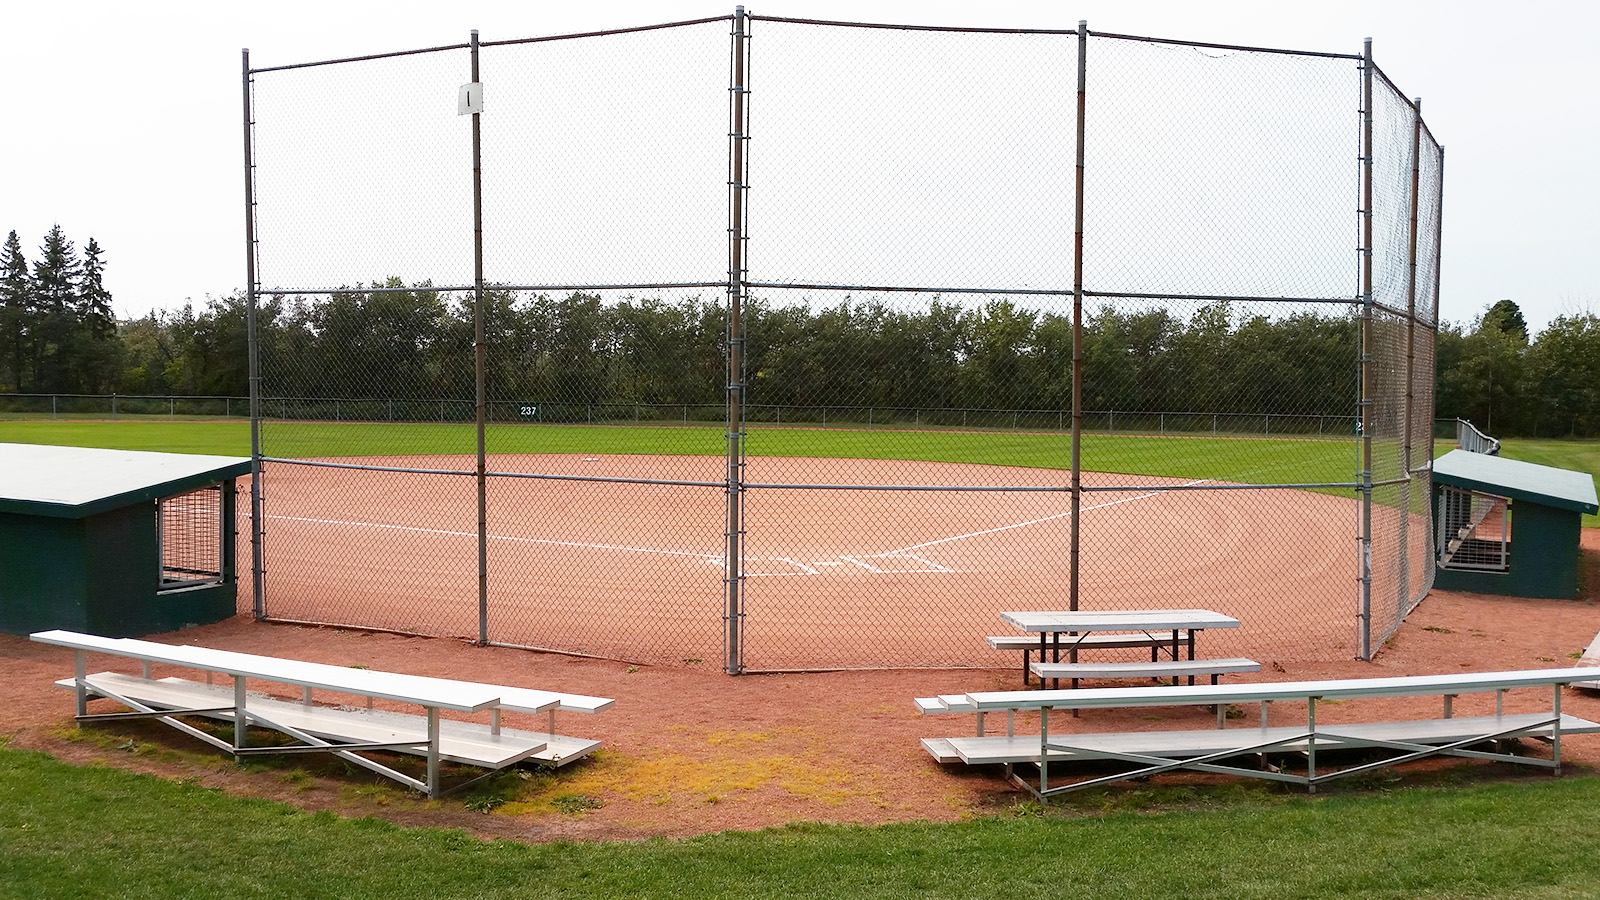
column 1253, row 460
column 1581, row 456
column 98, row 832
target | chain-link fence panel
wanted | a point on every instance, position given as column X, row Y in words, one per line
column 776, row 328
column 930, row 158
column 1219, row 171
column 363, row 192
column 362, row 173
column 607, row 503
column 1385, row 597
column 605, row 158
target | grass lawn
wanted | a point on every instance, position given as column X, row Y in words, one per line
column 95, row 832
column 1582, row 456
column 1253, row 460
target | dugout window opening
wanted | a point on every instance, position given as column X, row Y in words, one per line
column 190, row 538
column 1474, row 530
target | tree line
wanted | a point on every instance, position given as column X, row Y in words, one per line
column 1510, row 384
column 57, row 330
column 392, row 341
column 415, row 343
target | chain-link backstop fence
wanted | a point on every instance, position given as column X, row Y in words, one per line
column 781, row 344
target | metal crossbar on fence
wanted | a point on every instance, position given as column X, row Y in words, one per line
column 832, row 255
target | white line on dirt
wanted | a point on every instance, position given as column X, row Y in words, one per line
column 714, row 559
column 498, row 537
column 962, row 537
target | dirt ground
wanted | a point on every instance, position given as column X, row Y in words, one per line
column 688, row 750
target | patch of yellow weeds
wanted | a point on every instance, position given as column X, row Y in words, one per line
column 732, row 775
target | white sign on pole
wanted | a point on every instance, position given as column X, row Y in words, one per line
column 470, row 99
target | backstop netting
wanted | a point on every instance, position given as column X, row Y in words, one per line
column 767, row 343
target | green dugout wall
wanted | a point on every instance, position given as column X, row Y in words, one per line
column 114, row 542
column 1508, row 527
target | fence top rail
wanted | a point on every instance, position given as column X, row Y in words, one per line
column 349, row 59
column 128, row 396
column 1410, row 103
column 467, row 46
column 892, row 27
column 587, row 34
column 1209, row 46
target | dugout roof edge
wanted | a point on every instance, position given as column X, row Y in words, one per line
column 1518, row 480
column 78, row 482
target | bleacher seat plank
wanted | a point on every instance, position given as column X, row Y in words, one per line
column 942, row 751
column 464, row 742
column 1024, row 748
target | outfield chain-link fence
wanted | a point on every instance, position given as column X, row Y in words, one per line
column 765, row 343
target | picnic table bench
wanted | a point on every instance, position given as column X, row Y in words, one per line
column 1219, row 750
column 343, row 731
column 1053, row 632
column 1029, row 643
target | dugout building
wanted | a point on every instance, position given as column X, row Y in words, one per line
column 1481, row 501
column 115, row 542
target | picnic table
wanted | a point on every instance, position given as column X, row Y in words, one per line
column 1079, row 627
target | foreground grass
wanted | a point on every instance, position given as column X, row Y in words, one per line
column 1237, row 459
column 70, row 832
column 1582, row 456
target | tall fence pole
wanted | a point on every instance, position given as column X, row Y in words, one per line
column 1365, row 404
column 733, row 652
column 1077, row 322
column 1438, row 252
column 258, row 603
column 478, row 359
column 1411, row 356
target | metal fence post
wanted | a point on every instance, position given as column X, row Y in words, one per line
column 1364, row 406
column 478, row 359
column 1411, row 359
column 257, row 531
column 1077, row 324
column 1438, row 252
column 733, row 651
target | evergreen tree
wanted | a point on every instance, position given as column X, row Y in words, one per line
column 55, row 289
column 1505, row 316
column 16, row 302
column 96, row 350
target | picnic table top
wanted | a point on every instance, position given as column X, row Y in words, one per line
column 1118, row 620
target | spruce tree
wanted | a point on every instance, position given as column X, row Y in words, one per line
column 96, row 349
column 55, row 283
column 16, row 302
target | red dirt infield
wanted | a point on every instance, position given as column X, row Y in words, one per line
column 835, row 578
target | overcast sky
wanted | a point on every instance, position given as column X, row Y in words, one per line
column 124, row 125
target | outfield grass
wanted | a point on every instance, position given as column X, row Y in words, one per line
column 95, row 832
column 1256, row 460
column 1583, row 456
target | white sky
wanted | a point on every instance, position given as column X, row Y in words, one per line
column 123, row 120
